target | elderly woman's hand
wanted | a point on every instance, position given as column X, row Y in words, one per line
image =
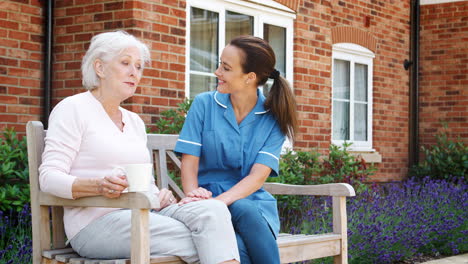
column 166, row 198
column 112, row 186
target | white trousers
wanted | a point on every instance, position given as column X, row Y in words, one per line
column 198, row 232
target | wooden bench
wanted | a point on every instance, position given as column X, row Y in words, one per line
column 47, row 212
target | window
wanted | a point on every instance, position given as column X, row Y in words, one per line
column 352, row 96
column 213, row 23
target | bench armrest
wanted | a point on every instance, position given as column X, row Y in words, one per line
column 332, row 189
column 134, row 200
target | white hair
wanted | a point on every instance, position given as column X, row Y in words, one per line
column 106, row 46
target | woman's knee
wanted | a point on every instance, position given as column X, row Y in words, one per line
column 214, row 208
column 245, row 209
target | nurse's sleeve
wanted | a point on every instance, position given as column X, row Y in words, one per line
column 190, row 138
column 269, row 154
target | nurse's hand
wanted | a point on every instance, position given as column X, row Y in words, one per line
column 200, row 192
column 187, row 200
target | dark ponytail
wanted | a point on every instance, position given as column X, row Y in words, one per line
column 282, row 104
column 260, row 59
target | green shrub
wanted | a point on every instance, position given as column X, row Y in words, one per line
column 446, row 160
column 308, row 167
column 299, row 168
column 342, row 166
column 14, row 176
column 172, row 120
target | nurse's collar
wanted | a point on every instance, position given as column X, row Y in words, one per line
column 260, row 109
column 217, row 101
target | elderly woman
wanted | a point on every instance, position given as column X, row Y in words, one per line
column 90, row 135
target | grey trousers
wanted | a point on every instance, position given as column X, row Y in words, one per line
column 198, row 232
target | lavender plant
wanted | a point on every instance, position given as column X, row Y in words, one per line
column 395, row 222
column 15, row 237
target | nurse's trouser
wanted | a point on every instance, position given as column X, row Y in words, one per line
column 256, row 242
column 198, row 232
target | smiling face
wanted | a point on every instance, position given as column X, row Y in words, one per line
column 231, row 77
column 122, row 74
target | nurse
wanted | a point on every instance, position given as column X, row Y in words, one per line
column 231, row 143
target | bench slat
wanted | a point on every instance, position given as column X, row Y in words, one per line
column 77, row 260
column 297, row 240
column 66, row 257
column 50, row 254
column 300, row 252
column 331, row 189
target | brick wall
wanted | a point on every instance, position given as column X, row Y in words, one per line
column 444, row 71
column 21, row 35
column 386, row 21
column 160, row 24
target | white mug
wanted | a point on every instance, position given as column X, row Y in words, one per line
column 138, row 176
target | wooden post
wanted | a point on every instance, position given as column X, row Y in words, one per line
column 58, row 230
column 340, row 227
column 140, row 248
column 40, row 214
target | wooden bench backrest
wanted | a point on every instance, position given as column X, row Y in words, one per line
column 162, row 146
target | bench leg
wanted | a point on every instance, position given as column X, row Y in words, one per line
column 340, row 227
column 140, row 251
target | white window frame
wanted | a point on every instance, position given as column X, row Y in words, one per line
column 355, row 54
column 263, row 11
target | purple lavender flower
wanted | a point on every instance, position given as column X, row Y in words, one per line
column 396, row 221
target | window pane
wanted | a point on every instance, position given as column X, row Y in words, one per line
column 238, row 24
column 340, row 120
column 360, row 122
column 200, row 84
column 341, row 79
column 360, row 82
column 203, row 40
column 276, row 37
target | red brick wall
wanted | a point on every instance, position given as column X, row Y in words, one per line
column 444, row 71
column 160, row 24
column 388, row 22
column 21, row 58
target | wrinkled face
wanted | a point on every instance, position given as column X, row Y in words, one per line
column 231, row 79
column 123, row 73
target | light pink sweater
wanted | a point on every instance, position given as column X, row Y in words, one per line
column 82, row 141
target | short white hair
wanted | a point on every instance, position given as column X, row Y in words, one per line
column 106, row 46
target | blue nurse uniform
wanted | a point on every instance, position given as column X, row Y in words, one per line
column 227, row 152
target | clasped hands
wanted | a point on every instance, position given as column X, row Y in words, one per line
column 113, row 186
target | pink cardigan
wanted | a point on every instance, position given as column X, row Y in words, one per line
column 82, row 141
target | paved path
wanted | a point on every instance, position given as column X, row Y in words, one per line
column 459, row 259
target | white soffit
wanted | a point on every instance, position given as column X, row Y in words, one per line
column 432, row 2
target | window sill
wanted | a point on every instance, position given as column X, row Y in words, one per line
column 368, row 156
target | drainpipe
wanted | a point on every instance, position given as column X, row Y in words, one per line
column 413, row 65
column 47, row 60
